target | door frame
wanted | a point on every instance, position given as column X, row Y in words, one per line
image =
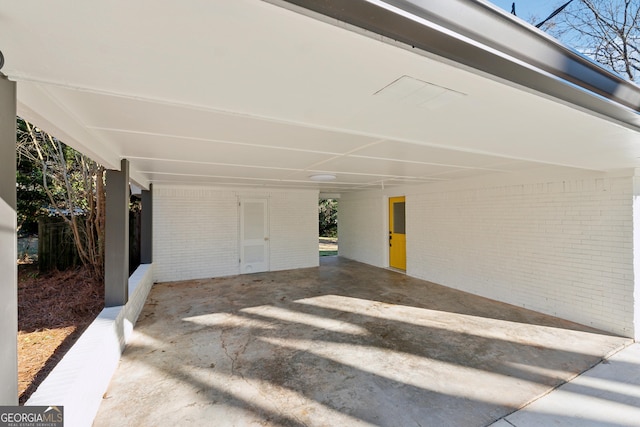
column 388, row 235
column 266, row 239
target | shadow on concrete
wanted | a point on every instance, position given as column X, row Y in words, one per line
column 342, row 343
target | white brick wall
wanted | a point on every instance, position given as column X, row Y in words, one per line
column 362, row 228
column 294, row 230
column 196, row 230
column 562, row 247
column 636, row 258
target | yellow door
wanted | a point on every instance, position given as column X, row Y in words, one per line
column 397, row 236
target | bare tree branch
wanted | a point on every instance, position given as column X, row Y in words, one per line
column 605, row 30
column 74, row 185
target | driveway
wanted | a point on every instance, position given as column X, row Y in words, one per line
column 344, row 344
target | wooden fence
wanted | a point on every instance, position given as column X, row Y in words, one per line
column 135, row 223
column 57, row 250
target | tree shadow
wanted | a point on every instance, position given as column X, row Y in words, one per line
column 287, row 333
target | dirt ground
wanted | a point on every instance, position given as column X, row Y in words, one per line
column 53, row 310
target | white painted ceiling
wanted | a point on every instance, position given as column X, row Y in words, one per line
column 246, row 92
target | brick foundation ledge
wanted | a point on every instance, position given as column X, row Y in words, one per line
column 81, row 378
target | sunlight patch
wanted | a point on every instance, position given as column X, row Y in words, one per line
column 417, row 371
column 289, row 405
column 292, row 316
column 486, row 327
column 229, row 320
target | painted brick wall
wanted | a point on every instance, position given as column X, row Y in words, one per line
column 636, row 258
column 196, row 230
column 362, row 228
column 561, row 247
column 294, row 230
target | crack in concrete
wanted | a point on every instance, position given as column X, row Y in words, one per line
column 264, row 394
column 240, row 375
column 223, row 344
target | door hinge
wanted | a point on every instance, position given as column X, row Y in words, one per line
column 239, row 261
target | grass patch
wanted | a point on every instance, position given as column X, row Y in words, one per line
column 328, row 253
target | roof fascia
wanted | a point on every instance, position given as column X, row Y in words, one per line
column 478, row 35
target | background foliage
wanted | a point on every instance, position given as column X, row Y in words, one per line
column 328, row 217
column 56, row 180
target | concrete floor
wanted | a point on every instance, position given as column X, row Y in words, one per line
column 607, row 395
column 344, row 344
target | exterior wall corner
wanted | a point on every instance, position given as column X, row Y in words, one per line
column 636, row 256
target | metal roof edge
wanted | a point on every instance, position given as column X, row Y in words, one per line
column 478, row 35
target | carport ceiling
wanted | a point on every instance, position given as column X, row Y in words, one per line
column 247, row 92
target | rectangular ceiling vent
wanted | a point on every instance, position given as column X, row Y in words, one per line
column 410, row 91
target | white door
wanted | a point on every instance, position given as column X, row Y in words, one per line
column 254, row 235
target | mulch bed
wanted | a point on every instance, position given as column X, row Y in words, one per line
column 53, row 310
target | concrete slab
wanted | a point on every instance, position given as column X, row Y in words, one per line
column 607, row 395
column 341, row 344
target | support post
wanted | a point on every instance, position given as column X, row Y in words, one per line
column 116, row 260
column 146, row 229
column 8, row 246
